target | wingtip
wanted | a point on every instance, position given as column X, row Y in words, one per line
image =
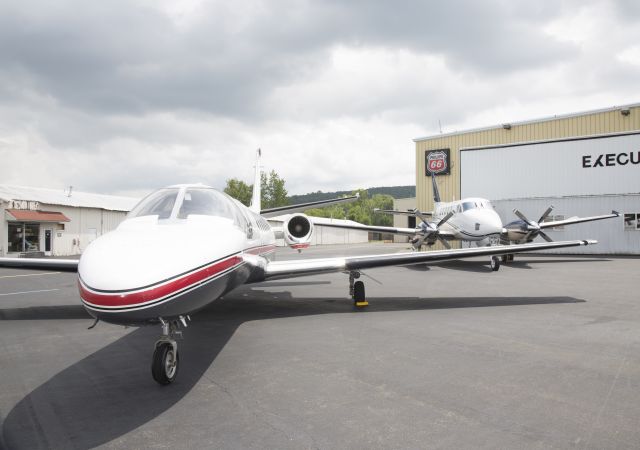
column 590, row 242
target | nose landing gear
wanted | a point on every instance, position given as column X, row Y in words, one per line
column 164, row 366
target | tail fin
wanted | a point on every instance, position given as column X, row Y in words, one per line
column 436, row 193
column 255, row 198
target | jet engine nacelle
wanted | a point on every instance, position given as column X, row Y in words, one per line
column 297, row 231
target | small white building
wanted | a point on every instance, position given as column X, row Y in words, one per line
column 50, row 222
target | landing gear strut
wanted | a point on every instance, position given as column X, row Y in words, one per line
column 507, row 258
column 356, row 290
column 164, row 366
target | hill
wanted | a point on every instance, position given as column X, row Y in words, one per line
column 394, row 191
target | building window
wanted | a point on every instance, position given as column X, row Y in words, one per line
column 557, row 218
column 631, row 221
column 23, row 237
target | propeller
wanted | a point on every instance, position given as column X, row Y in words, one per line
column 428, row 231
column 533, row 228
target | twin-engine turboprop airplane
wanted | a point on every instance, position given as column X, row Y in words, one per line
column 469, row 219
column 475, row 220
column 184, row 246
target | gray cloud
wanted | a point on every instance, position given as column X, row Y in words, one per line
column 95, row 90
column 121, row 57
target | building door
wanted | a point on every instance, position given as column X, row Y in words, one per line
column 48, row 241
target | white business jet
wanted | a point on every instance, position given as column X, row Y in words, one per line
column 184, row 246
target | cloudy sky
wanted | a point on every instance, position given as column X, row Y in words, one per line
column 124, row 96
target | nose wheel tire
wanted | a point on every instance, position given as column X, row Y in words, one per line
column 164, row 367
column 495, row 263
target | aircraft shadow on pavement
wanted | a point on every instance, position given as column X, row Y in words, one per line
column 54, row 312
column 110, row 393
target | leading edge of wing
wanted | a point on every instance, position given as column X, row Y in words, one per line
column 273, row 212
column 572, row 220
column 371, row 228
column 294, row 268
column 70, row 265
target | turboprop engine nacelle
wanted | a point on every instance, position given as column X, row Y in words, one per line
column 297, row 231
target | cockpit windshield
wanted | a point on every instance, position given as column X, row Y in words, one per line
column 186, row 201
column 468, row 205
column 206, row 202
column 159, row 203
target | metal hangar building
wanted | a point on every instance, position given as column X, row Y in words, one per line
column 583, row 164
column 49, row 222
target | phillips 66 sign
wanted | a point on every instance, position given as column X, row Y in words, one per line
column 437, row 161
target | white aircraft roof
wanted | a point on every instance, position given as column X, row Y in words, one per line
column 60, row 197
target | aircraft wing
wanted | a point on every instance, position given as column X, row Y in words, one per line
column 381, row 229
column 403, row 213
column 273, row 212
column 371, row 228
column 302, row 267
column 68, row 265
column 572, row 220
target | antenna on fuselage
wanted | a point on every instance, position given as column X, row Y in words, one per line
column 255, row 198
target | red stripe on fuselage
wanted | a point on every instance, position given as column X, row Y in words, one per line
column 261, row 249
column 158, row 292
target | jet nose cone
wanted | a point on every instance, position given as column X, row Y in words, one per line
column 131, row 259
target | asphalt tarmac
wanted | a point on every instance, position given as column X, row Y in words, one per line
column 544, row 353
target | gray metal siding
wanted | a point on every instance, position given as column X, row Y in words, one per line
column 610, row 233
column 551, row 169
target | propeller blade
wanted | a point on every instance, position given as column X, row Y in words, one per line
column 544, row 236
column 520, row 215
column 444, row 242
column 444, row 219
column 419, row 214
column 546, row 213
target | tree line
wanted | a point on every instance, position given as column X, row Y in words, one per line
column 274, row 193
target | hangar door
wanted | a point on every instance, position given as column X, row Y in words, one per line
column 579, row 177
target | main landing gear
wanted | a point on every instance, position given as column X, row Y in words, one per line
column 164, row 367
column 356, row 290
column 507, row 258
column 495, row 263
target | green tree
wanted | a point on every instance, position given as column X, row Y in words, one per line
column 272, row 186
column 381, row 201
column 239, row 190
column 273, row 191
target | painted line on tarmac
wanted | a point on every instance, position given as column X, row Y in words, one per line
column 30, row 275
column 28, row 292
